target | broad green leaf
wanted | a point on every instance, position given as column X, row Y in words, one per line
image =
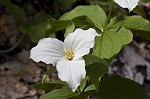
column 90, row 90
column 35, row 32
column 83, row 83
column 15, row 10
column 143, row 34
column 139, row 10
column 38, row 31
column 59, row 94
column 145, row 0
column 39, row 17
column 95, row 71
column 117, row 87
column 115, row 22
column 95, row 68
column 37, row 26
column 50, row 85
column 80, row 96
column 89, row 59
column 111, row 42
column 70, row 28
column 57, row 25
column 94, row 13
column 138, row 25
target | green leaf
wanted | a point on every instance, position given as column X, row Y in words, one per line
column 139, row 10
column 117, row 87
column 90, row 88
column 35, row 32
column 59, row 94
column 95, row 68
column 70, row 28
column 15, row 10
column 49, row 86
column 57, row 25
column 89, row 59
column 80, row 96
column 83, row 83
column 141, row 33
column 115, row 22
column 39, row 17
column 111, row 42
column 54, row 26
column 94, row 13
column 37, row 26
column 138, row 25
column 95, row 71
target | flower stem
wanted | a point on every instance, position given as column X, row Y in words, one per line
column 13, row 47
column 109, row 14
column 110, row 10
column 79, row 91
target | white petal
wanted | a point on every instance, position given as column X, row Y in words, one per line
column 71, row 71
column 130, row 4
column 80, row 41
column 48, row 50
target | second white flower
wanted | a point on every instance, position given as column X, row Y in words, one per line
column 130, row 4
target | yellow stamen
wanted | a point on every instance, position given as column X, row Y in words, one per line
column 69, row 54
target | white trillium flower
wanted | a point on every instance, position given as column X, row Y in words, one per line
column 130, row 4
column 67, row 55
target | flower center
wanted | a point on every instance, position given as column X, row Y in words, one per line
column 69, row 54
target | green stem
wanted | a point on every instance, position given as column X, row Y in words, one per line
column 13, row 47
column 79, row 91
column 109, row 14
column 110, row 10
